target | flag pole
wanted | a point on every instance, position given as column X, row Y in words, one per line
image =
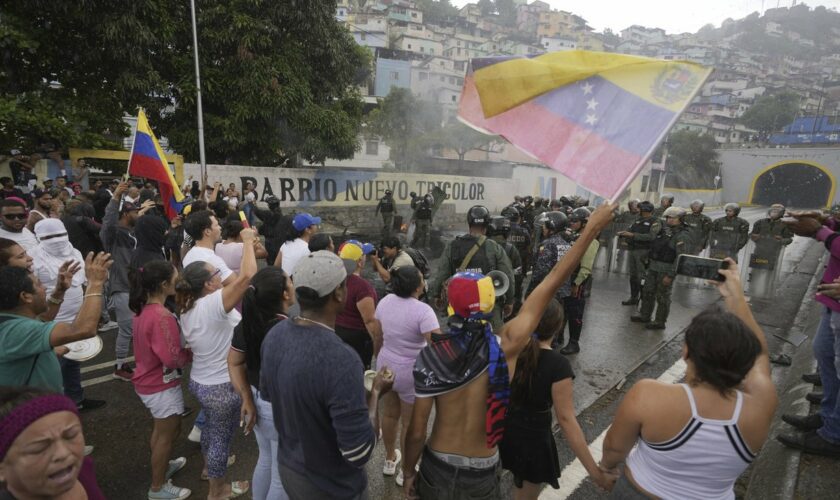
column 198, row 97
column 133, row 142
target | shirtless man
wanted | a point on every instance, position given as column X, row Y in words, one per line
column 461, row 458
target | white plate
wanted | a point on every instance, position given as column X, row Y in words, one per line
column 84, row 350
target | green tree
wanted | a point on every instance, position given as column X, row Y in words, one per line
column 692, row 161
column 278, row 76
column 770, row 113
column 461, row 139
column 405, row 124
column 437, row 11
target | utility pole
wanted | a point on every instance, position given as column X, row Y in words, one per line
column 201, row 156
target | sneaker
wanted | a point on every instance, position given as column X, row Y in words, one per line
column 195, row 435
column 805, row 423
column 810, row 442
column 400, row 479
column 89, row 404
column 169, row 492
column 812, row 378
column 174, row 466
column 104, row 327
column 124, row 372
column 88, row 449
column 390, row 466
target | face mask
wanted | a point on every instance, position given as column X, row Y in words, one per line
column 58, row 247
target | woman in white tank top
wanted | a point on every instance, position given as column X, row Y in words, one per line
column 693, row 440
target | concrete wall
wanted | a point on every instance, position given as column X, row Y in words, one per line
column 741, row 168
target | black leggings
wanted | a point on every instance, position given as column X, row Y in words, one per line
column 359, row 340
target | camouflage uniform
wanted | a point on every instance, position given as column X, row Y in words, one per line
column 664, row 252
column 549, row 252
column 489, row 257
column 515, row 262
column 422, row 222
column 386, row 207
column 658, row 211
column 521, row 239
column 622, row 222
column 767, row 247
column 698, row 227
column 728, row 237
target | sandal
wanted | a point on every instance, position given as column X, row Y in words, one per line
column 231, row 461
column 237, row 489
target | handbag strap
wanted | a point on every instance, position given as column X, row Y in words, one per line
column 471, row 253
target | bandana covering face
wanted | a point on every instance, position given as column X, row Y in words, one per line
column 54, row 249
column 468, row 349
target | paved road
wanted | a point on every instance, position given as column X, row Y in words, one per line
column 614, row 353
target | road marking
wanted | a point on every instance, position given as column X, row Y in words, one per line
column 98, row 380
column 93, row 368
column 574, row 474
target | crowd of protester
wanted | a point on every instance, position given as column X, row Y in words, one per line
column 278, row 325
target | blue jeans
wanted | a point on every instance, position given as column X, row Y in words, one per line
column 71, row 374
column 827, row 352
column 266, row 483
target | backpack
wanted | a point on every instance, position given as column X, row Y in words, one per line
column 420, row 260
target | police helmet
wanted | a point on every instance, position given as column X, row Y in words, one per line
column 582, row 202
column 388, row 192
column 696, row 203
column 565, row 201
column 777, row 208
column 678, row 212
column 580, row 214
column 732, row 206
column 554, row 221
column 511, row 213
column 555, row 203
column 528, row 199
column 272, row 201
column 498, row 226
column 667, row 196
column 538, row 200
column 646, row 206
column 634, row 202
column 413, row 194
column 478, row 215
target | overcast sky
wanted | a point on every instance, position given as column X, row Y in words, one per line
column 674, row 16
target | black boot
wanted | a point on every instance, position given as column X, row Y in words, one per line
column 571, row 348
column 634, row 294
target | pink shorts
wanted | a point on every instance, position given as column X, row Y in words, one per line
column 403, row 377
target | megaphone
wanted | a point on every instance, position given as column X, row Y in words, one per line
column 501, row 282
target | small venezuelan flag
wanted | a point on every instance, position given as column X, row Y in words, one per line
column 595, row 117
column 148, row 160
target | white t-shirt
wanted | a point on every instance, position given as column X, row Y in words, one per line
column 293, row 251
column 231, row 253
column 25, row 238
column 209, row 329
column 201, row 254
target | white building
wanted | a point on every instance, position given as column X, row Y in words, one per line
column 554, row 44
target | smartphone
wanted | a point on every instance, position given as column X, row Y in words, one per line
column 701, row 267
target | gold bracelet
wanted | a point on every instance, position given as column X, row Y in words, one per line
column 92, row 295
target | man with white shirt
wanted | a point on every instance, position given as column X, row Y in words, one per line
column 205, row 231
column 292, row 251
column 13, row 218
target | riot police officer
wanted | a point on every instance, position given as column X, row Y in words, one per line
column 387, row 208
column 769, row 235
column 528, row 211
column 698, row 225
column 666, row 201
column 640, row 235
column 550, row 250
column 475, row 252
column 729, row 233
column 499, row 230
column 581, row 282
column 422, row 206
column 519, row 237
column 669, row 244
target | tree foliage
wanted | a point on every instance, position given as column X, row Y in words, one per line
column 770, row 113
column 461, row 139
column 405, row 124
column 692, row 161
column 437, row 11
column 278, row 76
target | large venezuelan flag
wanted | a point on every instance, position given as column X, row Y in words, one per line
column 595, row 117
column 148, row 160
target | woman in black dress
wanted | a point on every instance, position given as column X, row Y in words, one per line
column 543, row 379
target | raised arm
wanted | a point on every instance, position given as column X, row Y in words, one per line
column 232, row 293
column 87, row 321
column 516, row 332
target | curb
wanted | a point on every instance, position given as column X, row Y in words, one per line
column 775, row 472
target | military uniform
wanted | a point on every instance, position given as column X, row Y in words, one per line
column 768, row 246
column 664, row 252
column 644, row 230
column 386, row 208
column 516, row 263
column 658, row 211
column 575, row 304
column 728, row 237
column 489, row 257
column 698, row 227
column 422, row 222
column 549, row 252
column 622, row 222
column 521, row 239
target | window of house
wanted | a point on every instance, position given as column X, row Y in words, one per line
column 653, row 183
column 644, row 183
column 454, row 98
column 395, row 75
column 409, row 46
column 414, row 14
column 423, row 76
column 363, row 36
column 459, row 52
column 371, row 147
column 422, row 49
column 431, row 51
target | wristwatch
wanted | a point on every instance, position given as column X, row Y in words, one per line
column 53, row 300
